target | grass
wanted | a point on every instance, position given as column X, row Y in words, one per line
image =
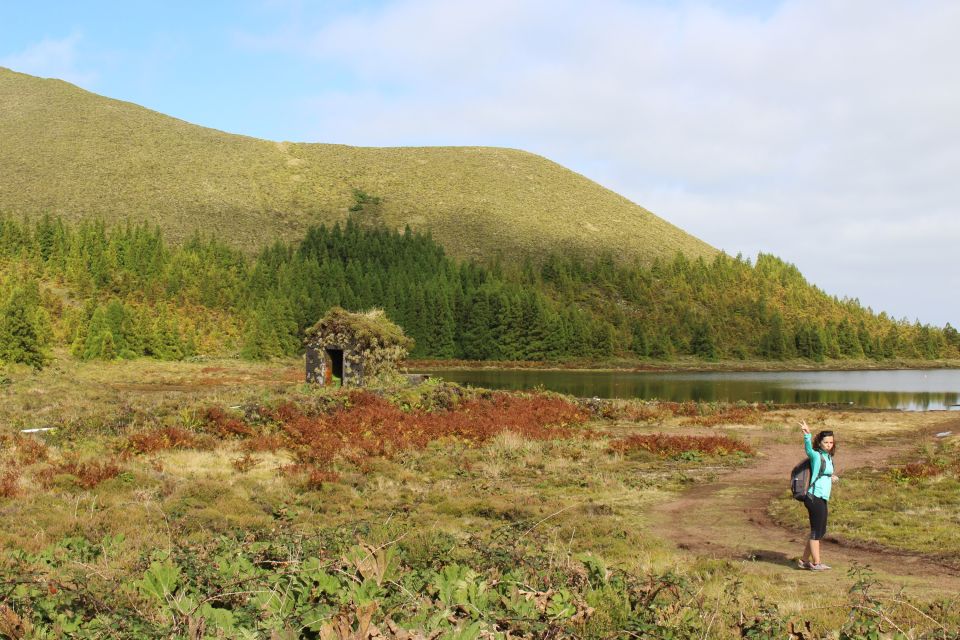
column 62, row 145
column 564, row 517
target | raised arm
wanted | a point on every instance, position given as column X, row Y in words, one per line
column 808, row 447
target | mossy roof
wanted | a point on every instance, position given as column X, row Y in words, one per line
column 371, row 328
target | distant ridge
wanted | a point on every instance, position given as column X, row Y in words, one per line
column 80, row 155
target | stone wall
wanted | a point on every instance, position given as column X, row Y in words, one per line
column 356, row 361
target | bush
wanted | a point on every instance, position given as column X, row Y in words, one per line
column 361, row 425
column 88, row 474
column 164, row 438
column 667, row 446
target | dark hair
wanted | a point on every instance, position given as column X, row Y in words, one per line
column 818, row 440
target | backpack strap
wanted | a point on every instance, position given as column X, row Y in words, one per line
column 823, row 465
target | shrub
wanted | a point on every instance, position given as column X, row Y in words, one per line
column 223, row 424
column 312, row 476
column 729, row 415
column 916, row 470
column 162, row 439
column 367, row 425
column 9, row 482
column 29, row 450
column 244, row 463
column 704, row 414
column 261, row 443
column 88, row 474
column 667, row 446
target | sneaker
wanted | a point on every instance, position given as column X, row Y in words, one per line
column 803, row 564
column 818, row 567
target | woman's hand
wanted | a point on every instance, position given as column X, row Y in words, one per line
column 804, row 426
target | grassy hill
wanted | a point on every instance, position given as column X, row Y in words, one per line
column 80, row 155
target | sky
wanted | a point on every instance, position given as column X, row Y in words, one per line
column 824, row 132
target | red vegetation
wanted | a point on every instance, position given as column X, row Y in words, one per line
column 162, row 439
column 371, row 426
column 731, row 415
column 89, row 474
column 266, row 442
column 688, row 409
column 224, row 424
column 9, row 482
column 244, row 463
column 366, row 426
column 29, row 450
column 313, row 477
column 653, row 412
column 707, row 415
column 916, row 470
column 667, row 446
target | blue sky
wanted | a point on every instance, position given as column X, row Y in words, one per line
column 824, row 132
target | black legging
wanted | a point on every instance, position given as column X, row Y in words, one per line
column 817, row 508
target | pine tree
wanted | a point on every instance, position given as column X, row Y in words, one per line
column 441, row 335
column 890, row 345
column 952, row 336
column 534, row 325
column 848, row 342
column 661, row 347
column 167, row 344
column 702, row 343
column 774, row 343
column 639, row 342
column 477, row 337
column 556, row 341
column 601, row 338
column 19, row 339
column 97, row 326
column 260, row 341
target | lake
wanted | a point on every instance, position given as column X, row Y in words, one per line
column 915, row 390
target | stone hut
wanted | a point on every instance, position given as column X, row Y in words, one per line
column 354, row 348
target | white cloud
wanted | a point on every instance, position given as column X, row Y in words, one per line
column 824, row 131
column 52, row 58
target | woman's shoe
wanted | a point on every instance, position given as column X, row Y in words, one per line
column 803, row 564
column 818, row 567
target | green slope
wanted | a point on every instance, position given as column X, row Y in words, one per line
column 67, row 151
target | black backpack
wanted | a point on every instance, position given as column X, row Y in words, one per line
column 800, row 480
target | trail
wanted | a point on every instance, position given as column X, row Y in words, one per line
column 728, row 518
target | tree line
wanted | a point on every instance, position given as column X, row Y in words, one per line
column 123, row 293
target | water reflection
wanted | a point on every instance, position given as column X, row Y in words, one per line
column 904, row 389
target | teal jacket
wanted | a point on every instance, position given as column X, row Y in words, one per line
column 824, row 477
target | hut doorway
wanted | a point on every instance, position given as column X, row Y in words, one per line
column 335, row 358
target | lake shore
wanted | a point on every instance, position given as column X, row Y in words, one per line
column 685, row 365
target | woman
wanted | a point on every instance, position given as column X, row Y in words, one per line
column 820, row 451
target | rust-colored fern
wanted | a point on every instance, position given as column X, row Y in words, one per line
column 668, row 446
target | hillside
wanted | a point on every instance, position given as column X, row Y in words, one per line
column 80, row 155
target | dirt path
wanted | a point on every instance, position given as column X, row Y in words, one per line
column 728, row 519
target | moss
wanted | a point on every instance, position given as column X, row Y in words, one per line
column 370, row 330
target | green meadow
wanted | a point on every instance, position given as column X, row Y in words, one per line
column 227, row 499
